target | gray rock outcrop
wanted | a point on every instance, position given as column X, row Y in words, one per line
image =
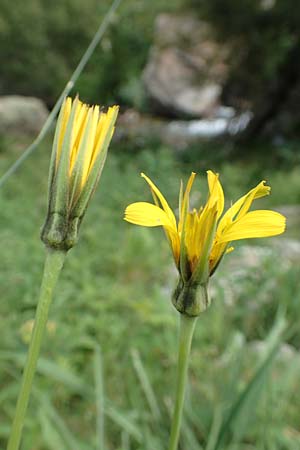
column 187, row 68
column 21, row 115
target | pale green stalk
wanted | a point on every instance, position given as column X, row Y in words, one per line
column 187, row 327
column 53, row 265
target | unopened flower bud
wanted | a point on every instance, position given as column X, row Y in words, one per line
column 82, row 137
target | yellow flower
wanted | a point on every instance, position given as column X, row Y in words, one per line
column 80, row 145
column 201, row 237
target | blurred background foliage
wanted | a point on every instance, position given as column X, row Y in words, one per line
column 112, row 302
column 41, row 45
column 264, row 63
column 263, row 31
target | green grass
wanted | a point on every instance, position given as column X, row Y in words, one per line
column 113, row 305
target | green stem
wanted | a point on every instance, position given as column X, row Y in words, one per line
column 187, row 326
column 53, row 265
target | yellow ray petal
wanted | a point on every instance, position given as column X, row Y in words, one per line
column 190, row 227
column 79, row 116
column 255, row 224
column 103, row 127
column 147, row 215
column 217, row 252
column 162, row 200
column 82, row 117
column 215, row 191
column 90, row 143
column 261, row 190
column 241, row 206
column 202, row 236
column 214, row 205
column 62, row 123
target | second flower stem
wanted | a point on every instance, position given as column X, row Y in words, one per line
column 53, row 265
column 187, row 327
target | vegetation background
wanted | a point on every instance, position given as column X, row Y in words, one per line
column 112, row 330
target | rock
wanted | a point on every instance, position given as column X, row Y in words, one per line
column 179, row 134
column 21, row 115
column 172, row 29
column 138, row 128
column 186, row 69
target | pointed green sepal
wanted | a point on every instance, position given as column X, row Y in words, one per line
column 184, row 265
column 72, row 233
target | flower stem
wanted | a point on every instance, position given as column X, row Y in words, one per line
column 53, row 265
column 187, row 326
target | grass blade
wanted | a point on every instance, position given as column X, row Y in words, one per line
column 99, row 388
column 215, row 430
column 125, row 441
column 145, row 384
column 124, row 423
column 57, row 422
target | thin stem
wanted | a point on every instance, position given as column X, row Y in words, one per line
column 53, row 265
column 100, row 445
column 187, row 326
column 68, row 87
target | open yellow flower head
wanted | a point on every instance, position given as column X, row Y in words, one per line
column 201, row 237
column 81, row 140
